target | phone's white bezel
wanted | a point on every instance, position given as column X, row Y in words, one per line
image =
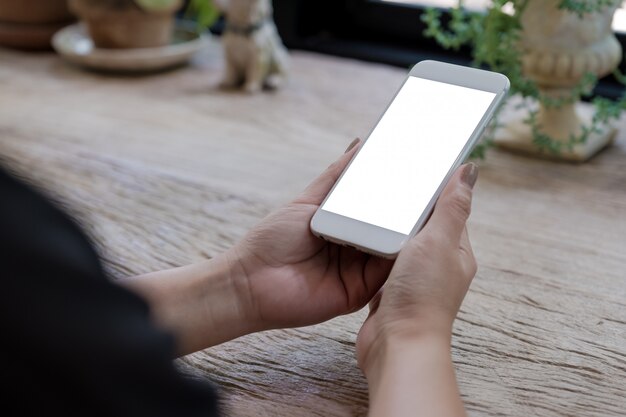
column 387, row 243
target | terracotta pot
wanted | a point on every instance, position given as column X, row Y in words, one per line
column 128, row 27
column 131, row 30
column 30, row 24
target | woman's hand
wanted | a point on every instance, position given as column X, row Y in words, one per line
column 404, row 345
column 290, row 278
column 279, row 275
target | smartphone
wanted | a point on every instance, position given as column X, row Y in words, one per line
column 388, row 191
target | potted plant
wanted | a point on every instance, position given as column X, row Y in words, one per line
column 553, row 51
column 30, row 24
column 128, row 23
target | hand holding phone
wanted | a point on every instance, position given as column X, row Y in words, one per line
column 403, row 346
column 388, row 191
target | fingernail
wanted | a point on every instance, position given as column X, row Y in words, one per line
column 470, row 174
column 352, row 145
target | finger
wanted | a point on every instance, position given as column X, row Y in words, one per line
column 376, row 272
column 350, row 267
column 466, row 245
column 469, row 259
column 455, row 204
column 352, row 145
column 319, row 188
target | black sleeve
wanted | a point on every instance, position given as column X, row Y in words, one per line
column 73, row 342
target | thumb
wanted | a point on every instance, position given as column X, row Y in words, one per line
column 455, row 204
column 319, row 188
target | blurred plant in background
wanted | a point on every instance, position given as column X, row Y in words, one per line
column 495, row 38
column 157, row 5
column 204, row 12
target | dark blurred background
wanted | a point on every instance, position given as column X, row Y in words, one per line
column 387, row 31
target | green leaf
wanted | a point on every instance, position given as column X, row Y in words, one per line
column 494, row 36
column 204, row 12
column 158, row 5
column 582, row 7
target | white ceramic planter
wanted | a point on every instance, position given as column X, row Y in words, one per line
column 559, row 47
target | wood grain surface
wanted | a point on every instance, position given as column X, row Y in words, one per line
column 164, row 170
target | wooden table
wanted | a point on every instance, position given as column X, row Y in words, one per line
column 165, row 170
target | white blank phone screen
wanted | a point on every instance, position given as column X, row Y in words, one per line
column 409, row 153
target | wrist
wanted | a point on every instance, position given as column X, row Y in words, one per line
column 242, row 294
column 401, row 352
column 402, row 342
column 228, row 297
column 414, row 372
column 201, row 304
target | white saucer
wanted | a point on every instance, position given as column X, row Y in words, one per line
column 74, row 44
